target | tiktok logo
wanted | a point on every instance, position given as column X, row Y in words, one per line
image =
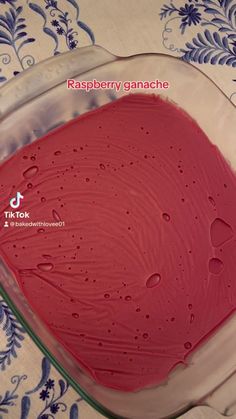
column 15, row 202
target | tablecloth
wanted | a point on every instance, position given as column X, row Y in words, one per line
column 202, row 32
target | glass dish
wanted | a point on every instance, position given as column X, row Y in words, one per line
column 36, row 102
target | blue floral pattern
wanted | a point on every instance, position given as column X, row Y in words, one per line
column 61, row 25
column 215, row 41
column 51, row 394
column 10, row 396
column 13, row 33
column 48, row 391
column 14, row 333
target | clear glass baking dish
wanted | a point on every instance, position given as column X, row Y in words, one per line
column 38, row 101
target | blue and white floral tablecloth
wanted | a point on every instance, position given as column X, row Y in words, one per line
column 202, row 32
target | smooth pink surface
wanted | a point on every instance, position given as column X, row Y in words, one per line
column 144, row 268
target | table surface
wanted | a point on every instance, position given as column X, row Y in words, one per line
column 202, row 32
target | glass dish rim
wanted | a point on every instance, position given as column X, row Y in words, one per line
column 29, row 72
